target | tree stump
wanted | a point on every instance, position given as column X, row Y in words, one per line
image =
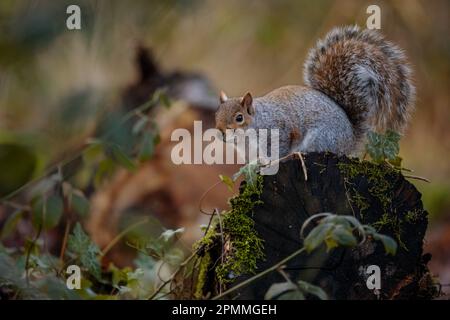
column 375, row 194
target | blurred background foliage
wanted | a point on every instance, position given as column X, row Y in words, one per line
column 58, row 87
column 54, row 83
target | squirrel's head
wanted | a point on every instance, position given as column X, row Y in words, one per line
column 234, row 113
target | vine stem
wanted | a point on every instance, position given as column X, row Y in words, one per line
column 261, row 274
column 416, row 177
column 27, row 259
column 162, row 285
column 121, row 235
column 64, row 243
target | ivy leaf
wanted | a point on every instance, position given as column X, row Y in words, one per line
column 396, row 162
column 331, row 243
column 122, row 158
column 46, row 213
column 119, row 276
column 84, row 250
column 383, row 146
column 164, row 98
column 56, row 288
column 294, row 291
column 169, row 234
column 343, row 236
column 250, row 172
column 79, row 204
column 228, row 181
column 105, row 169
column 391, row 144
column 139, row 125
column 374, row 146
column 147, row 146
column 281, row 290
column 390, row 246
column 311, row 289
column 317, row 236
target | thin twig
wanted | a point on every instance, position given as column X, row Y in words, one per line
column 302, row 160
column 261, row 274
column 284, row 274
column 299, row 154
column 204, row 196
column 17, row 206
column 162, row 285
column 223, row 240
column 121, row 235
column 417, row 178
column 27, row 260
column 64, row 243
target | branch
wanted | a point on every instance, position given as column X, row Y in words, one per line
column 260, row 275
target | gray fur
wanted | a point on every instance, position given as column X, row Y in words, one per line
column 356, row 82
column 366, row 75
column 322, row 123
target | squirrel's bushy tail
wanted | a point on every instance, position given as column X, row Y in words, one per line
column 366, row 75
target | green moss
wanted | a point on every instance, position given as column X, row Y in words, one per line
column 202, row 272
column 394, row 223
column 376, row 176
column 208, row 240
column 413, row 216
column 379, row 188
column 360, row 201
column 242, row 246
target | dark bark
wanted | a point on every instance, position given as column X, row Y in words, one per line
column 288, row 200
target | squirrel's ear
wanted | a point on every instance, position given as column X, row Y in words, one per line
column 223, row 97
column 247, row 102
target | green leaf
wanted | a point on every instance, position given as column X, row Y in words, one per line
column 396, row 162
column 227, row 180
column 250, row 172
column 331, row 243
column 311, row 289
column 280, row 290
column 80, row 205
column 317, row 236
column 105, row 169
column 391, row 144
column 374, row 146
column 383, row 146
column 174, row 256
column 46, row 213
column 147, row 146
column 119, row 276
column 164, row 99
column 390, row 246
column 11, row 223
column 170, row 234
column 122, row 158
column 56, row 289
column 84, row 251
column 343, row 236
column 140, row 125
column 94, row 151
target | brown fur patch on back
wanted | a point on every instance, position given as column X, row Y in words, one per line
column 294, row 136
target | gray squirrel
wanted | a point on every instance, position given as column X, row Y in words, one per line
column 356, row 81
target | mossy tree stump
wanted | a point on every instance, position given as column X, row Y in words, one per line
column 376, row 195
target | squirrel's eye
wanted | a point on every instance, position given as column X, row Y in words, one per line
column 239, row 118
